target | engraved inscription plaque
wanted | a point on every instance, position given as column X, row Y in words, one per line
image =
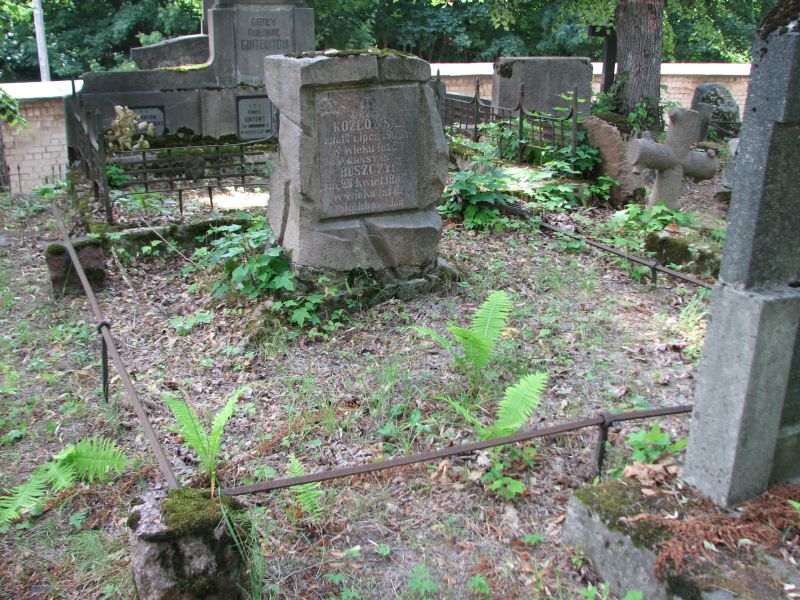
column 152, row 114
column 255, row 118
column 258, row 33
column 367, row 150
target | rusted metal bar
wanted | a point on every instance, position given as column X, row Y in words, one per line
column 400, row 461
column 653, row 265
column 105, row 330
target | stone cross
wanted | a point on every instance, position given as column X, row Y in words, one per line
column 745, row 431
column 674, row 159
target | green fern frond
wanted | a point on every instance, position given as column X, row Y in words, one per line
column 218, row 425
column 477, row 349
column 491, row 318
column 22, row 497
column 309, row 496
column 190, row 428
column 517, row 405
column 60, row 474
column 96, row 458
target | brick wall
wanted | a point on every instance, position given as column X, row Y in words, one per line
column 680, row 86
column 40, row 148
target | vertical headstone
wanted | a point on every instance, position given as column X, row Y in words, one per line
column 545, row 79
column 746, row 424
column 362, row 164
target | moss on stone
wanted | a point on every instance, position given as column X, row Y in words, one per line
column 190, row 511
column 378, row 52
column 505, row 69
column 615, row 500
column 186, row 68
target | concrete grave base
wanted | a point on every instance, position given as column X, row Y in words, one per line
column 623, row 553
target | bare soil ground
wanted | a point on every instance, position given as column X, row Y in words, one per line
column 605, row 341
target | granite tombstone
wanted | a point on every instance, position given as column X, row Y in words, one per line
column 362, row 164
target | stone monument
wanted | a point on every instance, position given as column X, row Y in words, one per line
column 746, row 424
column 544, row 78
column 210, row 83
column 719, row 112
column 362, row 164
column 674, row 159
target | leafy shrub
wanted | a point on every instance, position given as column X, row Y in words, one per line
column 247, row 262
column 116, row 176
column 89, row 459
column 474, row 196
column 628, row 227
column 648, row 445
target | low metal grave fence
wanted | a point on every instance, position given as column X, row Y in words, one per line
column 534, row 134
column 603, row 421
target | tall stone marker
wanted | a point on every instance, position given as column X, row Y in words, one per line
column 544, row 79
column 745, row 429
column 674, row 159
column 362, row 164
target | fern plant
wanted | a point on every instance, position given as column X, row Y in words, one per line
column 513, row 411
column 94, row 458
column 472, row 347
column 309, row 496
column 206, row 445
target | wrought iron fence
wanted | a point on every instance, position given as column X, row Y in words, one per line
column 175, row 170
column 529, row 130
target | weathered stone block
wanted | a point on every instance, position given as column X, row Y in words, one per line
column 362, row 163
column 742, row 388
column 181, row 549
column 62, row 274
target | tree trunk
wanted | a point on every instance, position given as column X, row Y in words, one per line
column 640, row 25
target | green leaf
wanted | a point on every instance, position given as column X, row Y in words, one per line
column 22, row 497
column 96, row 458
column 477, row 349
column 518, row 404
column 60, row 474
column 490, row 319
column 218, row 426
column 309, row 496
column 189, row 427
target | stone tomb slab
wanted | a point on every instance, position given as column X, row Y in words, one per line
column 367, row 150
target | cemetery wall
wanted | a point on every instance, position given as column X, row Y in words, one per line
column 680, row 78
column 40, row 148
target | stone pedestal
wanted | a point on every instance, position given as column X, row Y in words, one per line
column 181, row 548
column 746, row 426
column 362, row 164
column 62, row 274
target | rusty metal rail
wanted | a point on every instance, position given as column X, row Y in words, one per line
column 654, row 266
column 109, row 347
column 603, row 421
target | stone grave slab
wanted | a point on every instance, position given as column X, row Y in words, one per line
column 544, row 78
